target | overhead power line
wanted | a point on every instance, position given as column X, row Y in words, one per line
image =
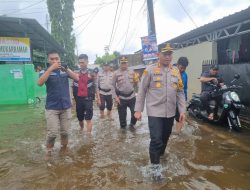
column 117, row 22
column 90, row 18
column 114, row 24
column 187, row 14
column 128, row 25
column 141, row 10
column 82, row 23
column 102, row 5
column 32, row 5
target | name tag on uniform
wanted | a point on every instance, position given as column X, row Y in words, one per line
column 174, row 79
column 157, row 78
column 158, row 85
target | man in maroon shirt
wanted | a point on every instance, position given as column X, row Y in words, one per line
column 84, row 92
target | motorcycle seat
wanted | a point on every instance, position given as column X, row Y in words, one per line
column 196, row 95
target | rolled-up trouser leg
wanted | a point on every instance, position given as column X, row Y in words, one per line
column 109, row 102
column 155, row 147
column 53, row 125
column 65, row 116
column 166, row 132
column 102, row 99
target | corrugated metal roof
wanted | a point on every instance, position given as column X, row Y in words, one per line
column 24, row 27
column 216, row 25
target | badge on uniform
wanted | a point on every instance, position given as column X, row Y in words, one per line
column 174, row 72
column 158, row 85
column 157, row 70
column 174, row 81
column 136, row 77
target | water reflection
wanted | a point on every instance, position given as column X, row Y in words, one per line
column 200, row 157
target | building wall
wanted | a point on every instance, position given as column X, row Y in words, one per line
column 196, row 54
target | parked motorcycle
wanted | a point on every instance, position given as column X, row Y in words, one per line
column 228, row 108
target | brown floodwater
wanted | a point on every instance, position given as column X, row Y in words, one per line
column 201, row 157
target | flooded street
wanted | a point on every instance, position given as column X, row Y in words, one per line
column 200, row 157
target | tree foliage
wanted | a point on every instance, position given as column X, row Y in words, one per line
column 107, row 58
column 61, row 17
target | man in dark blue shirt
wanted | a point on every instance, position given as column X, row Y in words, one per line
column 182, row 64
column 211, row 76
column 57, row 108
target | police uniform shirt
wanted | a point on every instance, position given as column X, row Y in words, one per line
column 162, row 88
column 104, row 81
column 123, row 81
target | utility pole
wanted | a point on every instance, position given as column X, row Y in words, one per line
column 151, row 18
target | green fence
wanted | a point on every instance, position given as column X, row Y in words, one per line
column 18, row 84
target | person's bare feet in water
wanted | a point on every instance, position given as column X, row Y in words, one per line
column 81, row 125
column 211, row 116
column 48, row 155
column 64, row 151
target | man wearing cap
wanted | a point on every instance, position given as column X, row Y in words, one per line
column 210, row 76
column 123, row 83
column 106, row 90
column 161, row 85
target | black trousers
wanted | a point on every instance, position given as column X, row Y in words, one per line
column 106, row 101
column 122, row 111
column 160, row 129
column 84, row 108
column 206, row 97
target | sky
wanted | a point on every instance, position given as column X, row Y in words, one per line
column 94, row 19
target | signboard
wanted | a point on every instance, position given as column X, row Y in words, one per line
column 14, row 49
column 149, row 47
column 17, row 73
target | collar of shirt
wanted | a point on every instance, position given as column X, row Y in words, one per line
column 84, row 71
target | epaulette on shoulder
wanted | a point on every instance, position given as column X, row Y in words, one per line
column 174, row 67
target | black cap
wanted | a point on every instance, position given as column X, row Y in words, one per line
column 214, row 67
column 96, row 70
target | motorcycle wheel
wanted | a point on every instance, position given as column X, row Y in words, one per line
column 192, row 111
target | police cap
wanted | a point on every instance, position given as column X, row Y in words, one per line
column 165, row 48
column 123, row 59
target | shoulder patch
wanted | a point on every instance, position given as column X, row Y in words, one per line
column 145, row 72
column 175, row 71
